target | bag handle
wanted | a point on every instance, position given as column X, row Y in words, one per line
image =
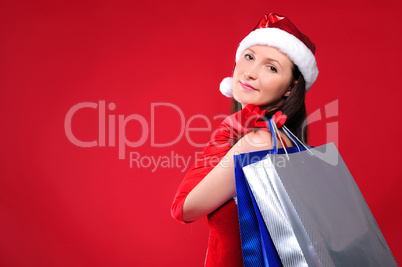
column 274, row 131
column 287, row 132
column 294, row 141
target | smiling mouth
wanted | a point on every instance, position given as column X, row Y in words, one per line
column 247, row 87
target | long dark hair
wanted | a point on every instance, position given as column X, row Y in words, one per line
column 293, row 107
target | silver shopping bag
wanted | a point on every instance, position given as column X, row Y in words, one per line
column 313, row 211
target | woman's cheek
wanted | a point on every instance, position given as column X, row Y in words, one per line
column 235, row 91
column 235, row 96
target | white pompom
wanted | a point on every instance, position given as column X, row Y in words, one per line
column 226, row 87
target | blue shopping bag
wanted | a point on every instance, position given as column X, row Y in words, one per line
column 257, row 246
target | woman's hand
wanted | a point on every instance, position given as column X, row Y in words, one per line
column 239, row 124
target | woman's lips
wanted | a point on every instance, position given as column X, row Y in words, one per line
column 247, row 87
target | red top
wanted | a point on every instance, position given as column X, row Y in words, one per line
column 224, row 246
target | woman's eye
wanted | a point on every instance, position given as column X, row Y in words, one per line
column 272, row 68
column 248, row 56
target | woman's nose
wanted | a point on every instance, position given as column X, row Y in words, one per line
column 251, row 72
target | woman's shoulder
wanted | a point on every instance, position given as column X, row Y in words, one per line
column 254, row 141
column 260, row 140
column 261, row 136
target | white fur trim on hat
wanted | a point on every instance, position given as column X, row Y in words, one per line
column 226, row 87
column 288, row 44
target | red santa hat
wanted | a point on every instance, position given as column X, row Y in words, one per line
column 279, row 32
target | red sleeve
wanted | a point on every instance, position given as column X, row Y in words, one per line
column 211, row 156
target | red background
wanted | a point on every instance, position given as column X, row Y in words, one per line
column 64, row 205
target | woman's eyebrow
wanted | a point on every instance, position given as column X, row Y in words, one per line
column 252, row 51
column 271, row 59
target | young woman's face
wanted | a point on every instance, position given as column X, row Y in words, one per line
column 262, row 76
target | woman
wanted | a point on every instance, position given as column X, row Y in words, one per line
column 275, row 66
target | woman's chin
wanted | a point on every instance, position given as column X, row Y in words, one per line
column 245, row 102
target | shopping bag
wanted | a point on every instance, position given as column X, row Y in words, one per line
column 303, row 208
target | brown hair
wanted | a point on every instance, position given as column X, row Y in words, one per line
column 293, row 107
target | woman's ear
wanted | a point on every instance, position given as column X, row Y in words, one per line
column 293, row 85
